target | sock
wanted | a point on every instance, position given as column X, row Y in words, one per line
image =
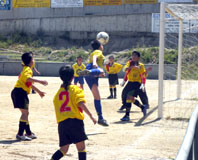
column 114, row 92
column 57, row 155
column 137, row 103
column 27, row 128
column 82, row 155
column 22, row 125
column 98, row 107
column 111, row 92
column 128, row 109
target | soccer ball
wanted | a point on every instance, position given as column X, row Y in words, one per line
column 103, row 37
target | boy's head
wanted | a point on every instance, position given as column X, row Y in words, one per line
column 66, row 74
column 27, row 58
column 135, row 56
column 96, row 45
column 111, row 59
column 79, row 59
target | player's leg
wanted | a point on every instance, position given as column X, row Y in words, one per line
column 75, row 80
column 111, row 92
column 22, row 125
column 124, row 96
column 128, row 108
column 144, row 98
column 115, row 92
column 81, row 81
column 60, row 153
column 81, row 150
column 97, row 104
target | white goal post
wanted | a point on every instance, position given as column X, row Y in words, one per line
column 180, row 12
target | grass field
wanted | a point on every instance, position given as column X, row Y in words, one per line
column 140, row 139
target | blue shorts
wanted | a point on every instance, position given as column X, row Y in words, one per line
column 78, row 79
column 91, row 79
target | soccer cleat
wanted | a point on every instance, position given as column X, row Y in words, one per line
column 23, row 138
column 85, row 72
column 32, row 136
column 115, row 97
column 122, row 108
column 122, row 83
column 103, row 122
column 110, row 97
column 125, row 118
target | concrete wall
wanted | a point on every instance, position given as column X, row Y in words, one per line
column 51, row 69
column 133, row 18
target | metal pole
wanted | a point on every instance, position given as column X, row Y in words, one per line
column 179, row 59
column 161, row 60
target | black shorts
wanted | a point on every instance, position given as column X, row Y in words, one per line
column 131, row 89
column 20, row 98
column 113, row 79
column 71, row 131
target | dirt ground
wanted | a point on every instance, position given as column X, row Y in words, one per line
column 140, row 139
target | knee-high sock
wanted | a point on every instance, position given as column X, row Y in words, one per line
column 82, row 155
column 98, row 108
column 57, row 155
column 27, row 128
column 115, row 91
column 128, row 109
column 22, row 125
column 137, row 103
column 111, row 91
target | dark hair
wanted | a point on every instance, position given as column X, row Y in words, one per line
column 26, row 58
column 66, row 74
column 79, row 57
column 136, row 52
column 95, row 44
column 111, row 57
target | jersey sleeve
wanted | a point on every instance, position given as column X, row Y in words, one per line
column 126, row 66
column 118, row 67
column 79, row 96
column 142, row 69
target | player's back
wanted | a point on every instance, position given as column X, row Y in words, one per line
column 66, row 103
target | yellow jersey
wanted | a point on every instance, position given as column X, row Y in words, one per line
column 134, row 74
column 22, row 81
column 114, row 68
column 100, row 57
column 78, row 68
column 66, row 103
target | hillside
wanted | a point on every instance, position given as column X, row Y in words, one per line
column 12, row 46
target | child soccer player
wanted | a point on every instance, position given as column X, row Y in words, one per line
column 130, row 91
column 141, row 92
column 33, row 67
column 112, row 69
column 20, row 99
column 69, row 102
column 93, row 71
column 78, row 66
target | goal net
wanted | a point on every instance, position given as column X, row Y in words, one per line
column 178, row 81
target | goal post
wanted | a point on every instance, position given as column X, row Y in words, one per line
column 180, row 12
